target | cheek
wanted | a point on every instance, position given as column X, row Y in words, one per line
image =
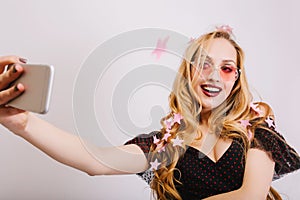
column 228, row 86
column 196, row 76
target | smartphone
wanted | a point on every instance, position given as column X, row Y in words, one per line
column 37, row 80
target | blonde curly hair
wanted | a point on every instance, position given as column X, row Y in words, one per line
column 225, row 118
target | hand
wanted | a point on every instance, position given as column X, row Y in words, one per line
column 12, row 118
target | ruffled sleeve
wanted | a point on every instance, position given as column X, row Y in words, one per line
column 144, row 141
column 274, row 144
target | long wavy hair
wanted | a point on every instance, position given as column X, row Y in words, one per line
column 225, row 118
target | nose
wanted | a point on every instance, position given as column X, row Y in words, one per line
column 214, row 75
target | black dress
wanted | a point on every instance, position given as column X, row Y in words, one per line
column 201, row 177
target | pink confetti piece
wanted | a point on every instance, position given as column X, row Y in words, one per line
column 155, row 140
column 270, row 122
column 177, row 118
column 168, row 131
column 177, row 141
column 168, row 124
column 224, row 28
column 155, row 164
column 166, row 136
column 160, row 47
column 245, row 123
column 255, row 108
column 161, row 149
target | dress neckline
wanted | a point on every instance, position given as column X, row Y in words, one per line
column 202, row 155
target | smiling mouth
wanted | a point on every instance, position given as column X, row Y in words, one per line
column 211, row 90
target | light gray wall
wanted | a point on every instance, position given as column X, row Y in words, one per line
column 64, row 33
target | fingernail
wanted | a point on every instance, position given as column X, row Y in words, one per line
column 23, row 60
column 16, row 88
column 16, row 68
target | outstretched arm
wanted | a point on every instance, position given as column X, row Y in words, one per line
column 58, row 144
column 72, row 151
column 258, row 176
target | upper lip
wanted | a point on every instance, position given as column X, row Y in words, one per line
column 210, row 85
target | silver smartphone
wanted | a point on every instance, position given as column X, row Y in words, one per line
column 37, row 80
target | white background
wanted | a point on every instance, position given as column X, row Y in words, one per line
column 63, row 33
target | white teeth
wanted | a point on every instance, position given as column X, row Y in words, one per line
column 212, row 89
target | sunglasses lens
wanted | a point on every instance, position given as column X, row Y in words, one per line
column 228, row 72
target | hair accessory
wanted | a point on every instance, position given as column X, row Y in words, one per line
column 255, row 108
column 270, row 122
column 166, row 136
column 245, row 123
column 177, row 117
column 155, row 164
column 168, row 124
column 163, row 148
column 161, row 143
column 155, row 140
column 224, row 28
column 177, row 142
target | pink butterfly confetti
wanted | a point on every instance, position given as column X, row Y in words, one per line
column 245, row 123
column 155, row 164
column 177, row 117
column 160, row 47
column 166, row 136
column 270, row 122
column 155, row 140
column 177, row 142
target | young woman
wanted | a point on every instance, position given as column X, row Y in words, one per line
column 214, row 143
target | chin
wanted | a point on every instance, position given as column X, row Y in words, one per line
column 208, row 107
column 210, row 104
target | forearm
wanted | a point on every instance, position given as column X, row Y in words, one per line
column 240, row 194
column 257, row 180
column 62, row 146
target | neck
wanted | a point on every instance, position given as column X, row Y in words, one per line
column 204, row 115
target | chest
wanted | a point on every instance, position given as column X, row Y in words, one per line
column 213, row 147
column 202, row 176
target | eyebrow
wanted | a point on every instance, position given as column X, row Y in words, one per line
column 226, row 60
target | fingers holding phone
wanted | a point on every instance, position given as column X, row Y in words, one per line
column 13, row 72
column 10, row 70
column 10, row 94
column 37, row 81
column 8, row 91
column 25, row 86
column 8, row 60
